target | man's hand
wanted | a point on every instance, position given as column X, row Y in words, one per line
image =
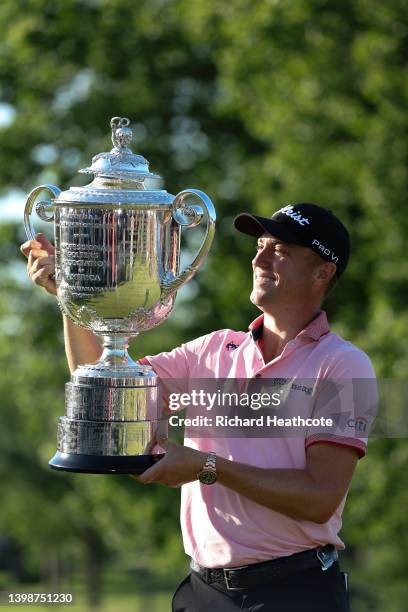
column 41, row 262
column 179, row 465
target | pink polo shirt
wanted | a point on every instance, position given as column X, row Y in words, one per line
column 220, row 527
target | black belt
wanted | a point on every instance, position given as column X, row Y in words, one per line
column 247, row 576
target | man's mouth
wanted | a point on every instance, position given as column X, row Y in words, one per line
column 262, row 279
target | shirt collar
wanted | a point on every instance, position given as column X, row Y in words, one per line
column 256, row 327
column 319, row 326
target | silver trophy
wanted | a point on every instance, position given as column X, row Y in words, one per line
column 117, row 250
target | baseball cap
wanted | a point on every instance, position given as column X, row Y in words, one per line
column 305, row 224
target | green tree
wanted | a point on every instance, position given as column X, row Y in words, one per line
column 257, row 105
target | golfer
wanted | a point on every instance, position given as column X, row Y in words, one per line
column 260, row 517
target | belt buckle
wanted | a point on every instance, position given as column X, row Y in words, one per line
column 326, row 558
column 228, row 584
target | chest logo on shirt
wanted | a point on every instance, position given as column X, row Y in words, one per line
column 231, row 346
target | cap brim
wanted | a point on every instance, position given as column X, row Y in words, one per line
column 252, row 225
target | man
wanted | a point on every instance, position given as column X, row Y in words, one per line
column 260, row 517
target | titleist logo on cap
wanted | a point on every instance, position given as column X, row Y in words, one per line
column 293, row 214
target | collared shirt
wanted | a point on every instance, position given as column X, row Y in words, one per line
column 222, row 528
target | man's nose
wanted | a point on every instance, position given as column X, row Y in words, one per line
column 260, row 259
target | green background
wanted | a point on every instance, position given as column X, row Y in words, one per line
column 258, row 103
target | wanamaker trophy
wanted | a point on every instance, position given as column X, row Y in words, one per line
column 117, row 251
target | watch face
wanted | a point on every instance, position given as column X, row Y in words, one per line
column 208, row 477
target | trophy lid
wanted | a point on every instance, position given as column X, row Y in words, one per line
column 120, row 162
column 119, row 176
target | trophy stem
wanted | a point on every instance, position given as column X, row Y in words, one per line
column 115, row 351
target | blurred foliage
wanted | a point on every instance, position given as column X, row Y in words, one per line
column 258, row 104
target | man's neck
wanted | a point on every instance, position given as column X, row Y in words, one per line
column 279, row 329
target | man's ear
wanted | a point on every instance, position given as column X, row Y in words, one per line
column 325, row 272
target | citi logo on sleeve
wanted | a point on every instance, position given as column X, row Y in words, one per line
column 293, row 214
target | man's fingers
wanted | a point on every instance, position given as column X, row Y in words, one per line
column 41, row 266
column 42, row 274
column 41, row 262
column 44, row 280
column 45, row 243
column 28, row 246
column 150, row 474
column 35, row 263
column 158, row 469
column 38, row 255
column 43, row 277
column 40, row 243
column 164, row 441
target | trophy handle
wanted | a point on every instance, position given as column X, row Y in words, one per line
column 41, row 208
column 191, row 216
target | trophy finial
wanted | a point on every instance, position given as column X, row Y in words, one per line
column 121, row 133
column 120, row 163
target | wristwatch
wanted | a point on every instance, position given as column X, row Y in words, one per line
column 208, row 474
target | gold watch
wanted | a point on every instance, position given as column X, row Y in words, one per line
column 208, row 474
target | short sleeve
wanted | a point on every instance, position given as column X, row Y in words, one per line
column 173, row 368
column 346, row 402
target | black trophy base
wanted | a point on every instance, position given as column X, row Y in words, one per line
column 96, row 464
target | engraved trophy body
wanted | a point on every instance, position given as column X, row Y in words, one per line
column 117, row 248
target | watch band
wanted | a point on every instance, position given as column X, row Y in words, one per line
column 208, row 475
column 210, row 461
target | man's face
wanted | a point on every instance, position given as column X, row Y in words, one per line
column 283, row 273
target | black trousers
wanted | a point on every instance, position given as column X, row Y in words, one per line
column 309, row 591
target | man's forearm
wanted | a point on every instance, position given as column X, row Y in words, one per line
column 81, row 345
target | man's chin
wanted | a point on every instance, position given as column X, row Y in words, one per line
column 260, row 300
